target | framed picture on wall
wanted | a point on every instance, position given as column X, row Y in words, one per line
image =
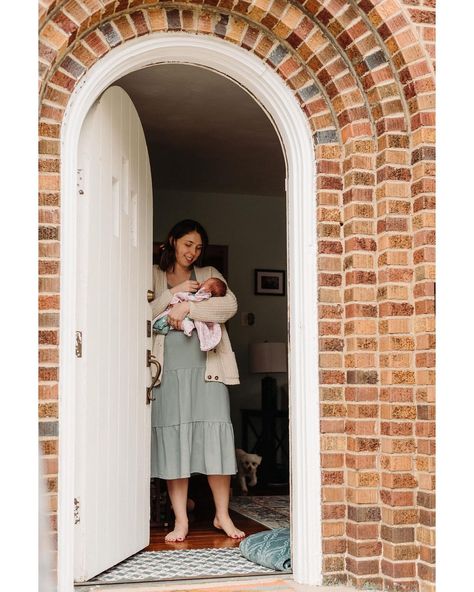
column 270, row 282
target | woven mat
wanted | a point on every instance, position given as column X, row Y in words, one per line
column 273, row 511
column 178, row 564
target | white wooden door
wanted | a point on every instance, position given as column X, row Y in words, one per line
column 115, row 271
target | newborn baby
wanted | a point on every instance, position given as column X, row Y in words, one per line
column 209, row 334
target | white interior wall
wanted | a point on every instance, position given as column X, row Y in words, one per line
column 254, row 228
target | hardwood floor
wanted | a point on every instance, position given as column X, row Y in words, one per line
column 202, row 534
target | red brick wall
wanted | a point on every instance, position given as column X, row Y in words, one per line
column 362, row 71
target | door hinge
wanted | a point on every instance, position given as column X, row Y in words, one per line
column 78, row 344
column 148, row 328
column 77, row 517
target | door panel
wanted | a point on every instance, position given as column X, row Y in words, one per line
column 113, row 419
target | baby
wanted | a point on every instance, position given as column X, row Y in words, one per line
column 209, row 333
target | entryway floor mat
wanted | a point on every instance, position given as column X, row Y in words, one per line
column 272, row 511
column 174, row 565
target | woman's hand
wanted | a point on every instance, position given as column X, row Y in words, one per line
column 186, row 286
column 177, row 313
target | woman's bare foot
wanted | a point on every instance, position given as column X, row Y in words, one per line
column 228, row 527
column 178, row 534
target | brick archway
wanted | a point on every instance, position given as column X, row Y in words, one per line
column 362, row 73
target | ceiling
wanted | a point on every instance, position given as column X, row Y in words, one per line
column 204, row 132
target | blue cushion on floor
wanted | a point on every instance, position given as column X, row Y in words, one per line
column 270, row 548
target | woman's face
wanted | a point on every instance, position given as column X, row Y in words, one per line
column 187, row 249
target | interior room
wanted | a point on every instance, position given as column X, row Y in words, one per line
column 216, row 158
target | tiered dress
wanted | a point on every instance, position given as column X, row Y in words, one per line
column 191, row 426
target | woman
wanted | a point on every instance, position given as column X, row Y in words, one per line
column 191, row 427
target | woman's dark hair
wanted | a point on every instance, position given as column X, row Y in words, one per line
column 167, row 256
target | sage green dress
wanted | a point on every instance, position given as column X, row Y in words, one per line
column 191, row 426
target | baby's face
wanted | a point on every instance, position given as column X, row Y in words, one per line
column 207, row 286
column 214, row 286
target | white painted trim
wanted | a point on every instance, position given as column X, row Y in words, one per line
column 293, row 128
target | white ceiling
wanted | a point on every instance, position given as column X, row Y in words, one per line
column 204, row 132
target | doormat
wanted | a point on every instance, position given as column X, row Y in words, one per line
column 176, row 564
column 272, row 511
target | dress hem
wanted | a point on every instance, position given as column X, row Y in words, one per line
column 193, row 421
column 189, row 476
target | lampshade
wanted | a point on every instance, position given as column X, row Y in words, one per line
column 267, row 357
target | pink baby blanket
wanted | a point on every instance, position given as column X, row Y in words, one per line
column 209, row 334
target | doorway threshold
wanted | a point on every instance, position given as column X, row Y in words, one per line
column 267, row 583
column 183, row 583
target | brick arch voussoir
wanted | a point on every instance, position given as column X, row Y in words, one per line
column 304, row 34
column 363, row 43
column 347, row 101
column 61, row 79
column 406, row 50
column 363, row 51
column 362, row 47
column 381, row 42
column 348, row 115
column 45, row 8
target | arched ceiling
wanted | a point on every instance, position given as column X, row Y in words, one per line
column 204, row 132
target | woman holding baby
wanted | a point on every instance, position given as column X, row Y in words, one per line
column 191, row 427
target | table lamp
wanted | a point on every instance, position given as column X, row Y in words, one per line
column 268, row 358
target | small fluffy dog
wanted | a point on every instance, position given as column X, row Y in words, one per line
column 247, row 465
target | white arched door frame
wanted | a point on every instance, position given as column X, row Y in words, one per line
column 293, row 129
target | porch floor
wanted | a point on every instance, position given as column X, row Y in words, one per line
column 248, row 584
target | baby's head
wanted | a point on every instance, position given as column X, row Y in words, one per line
column 215, row 286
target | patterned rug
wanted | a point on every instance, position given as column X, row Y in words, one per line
column 191, row 563
column 272, row 511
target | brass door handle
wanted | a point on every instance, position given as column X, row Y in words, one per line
column 154, row 380
column 150, row 295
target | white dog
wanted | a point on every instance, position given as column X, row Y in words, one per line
column 247, row 465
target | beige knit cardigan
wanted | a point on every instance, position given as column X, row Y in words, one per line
column 221, row 365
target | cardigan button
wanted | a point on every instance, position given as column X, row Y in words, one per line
column 209, row 376
column 216, row 377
